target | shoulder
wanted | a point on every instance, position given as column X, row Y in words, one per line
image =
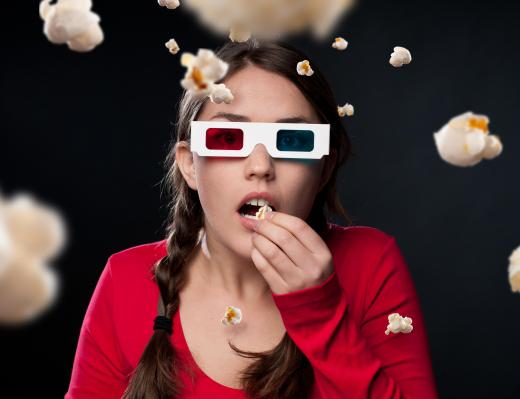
column 156, row 248
column 368, row 264
column 136, row 262
column 361, row 255
column 359, row 241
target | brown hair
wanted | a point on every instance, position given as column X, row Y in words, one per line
column 284, row 371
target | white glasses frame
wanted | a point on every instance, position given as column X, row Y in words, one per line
column 260, row 132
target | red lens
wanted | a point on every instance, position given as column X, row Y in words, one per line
column 224, row 139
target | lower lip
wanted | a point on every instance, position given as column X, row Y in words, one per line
column 247, row 223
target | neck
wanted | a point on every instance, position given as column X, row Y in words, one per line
column 222, row 271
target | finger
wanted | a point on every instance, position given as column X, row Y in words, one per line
column 287, row 243
column 285, row 267
column 300, row 229
column 275, row 281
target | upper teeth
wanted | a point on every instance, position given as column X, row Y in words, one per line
column 258, row 202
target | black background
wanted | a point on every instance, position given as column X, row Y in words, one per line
column 88, row 133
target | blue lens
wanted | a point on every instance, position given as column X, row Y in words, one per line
column 295, row 140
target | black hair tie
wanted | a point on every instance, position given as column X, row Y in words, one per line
column 163, row 323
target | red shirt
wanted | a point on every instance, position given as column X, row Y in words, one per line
column 339, row 325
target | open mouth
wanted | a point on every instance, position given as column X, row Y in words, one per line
column 250, row 211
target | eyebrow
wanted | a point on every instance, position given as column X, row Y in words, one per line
column 242, row 118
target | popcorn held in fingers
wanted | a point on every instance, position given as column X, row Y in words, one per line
column 71, row 22
column 262, row 212
column 239, row 34
column 203, row 70
column 270, row 19
column 398, row 324
column 347, row 109
column 465, row 140
column 232, row 316
column 171, row 4
column 221, row 94
column 304, row 68
column 400, row 56
column 172, row 46
column 340, row 43
column 514, row 270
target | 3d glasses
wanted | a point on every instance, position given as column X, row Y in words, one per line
column 282, row 140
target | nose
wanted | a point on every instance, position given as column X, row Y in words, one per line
column 259, row 162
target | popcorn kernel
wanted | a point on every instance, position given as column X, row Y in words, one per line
column 232, row 316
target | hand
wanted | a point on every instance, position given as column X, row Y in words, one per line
column 289, row 253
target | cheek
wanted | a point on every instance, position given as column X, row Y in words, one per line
column 305, row 171
column 216, row 185
column 298, row 191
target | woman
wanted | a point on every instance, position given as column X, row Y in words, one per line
column 315, row 296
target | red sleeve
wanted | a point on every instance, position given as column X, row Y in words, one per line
column 96, row 371
column 356, row 358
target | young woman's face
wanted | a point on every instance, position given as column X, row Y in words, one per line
column 222, row 182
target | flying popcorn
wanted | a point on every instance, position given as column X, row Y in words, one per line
column 232, row 316
column 347, row 109
column 398, row 324
column 35, row 234
column 71, row 22
column 514, row 270
column 221, row 94
column 400, row 56
column 238, row 34
column 203, row 70
column 172, row 46
column 270, row 19
column 27, row 289
column 36, row 230
column 171, row 4
column 304, row 68
column 5, row 240
column 340, row 43
column 465, row 140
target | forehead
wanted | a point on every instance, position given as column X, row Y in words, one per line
column 262, row 96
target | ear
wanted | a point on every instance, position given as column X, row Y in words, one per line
column 184, row 159
column 328, row 167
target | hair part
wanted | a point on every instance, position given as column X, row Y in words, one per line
column 282, row 372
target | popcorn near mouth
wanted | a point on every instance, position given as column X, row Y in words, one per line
column 263, row 211
column 247, row 211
